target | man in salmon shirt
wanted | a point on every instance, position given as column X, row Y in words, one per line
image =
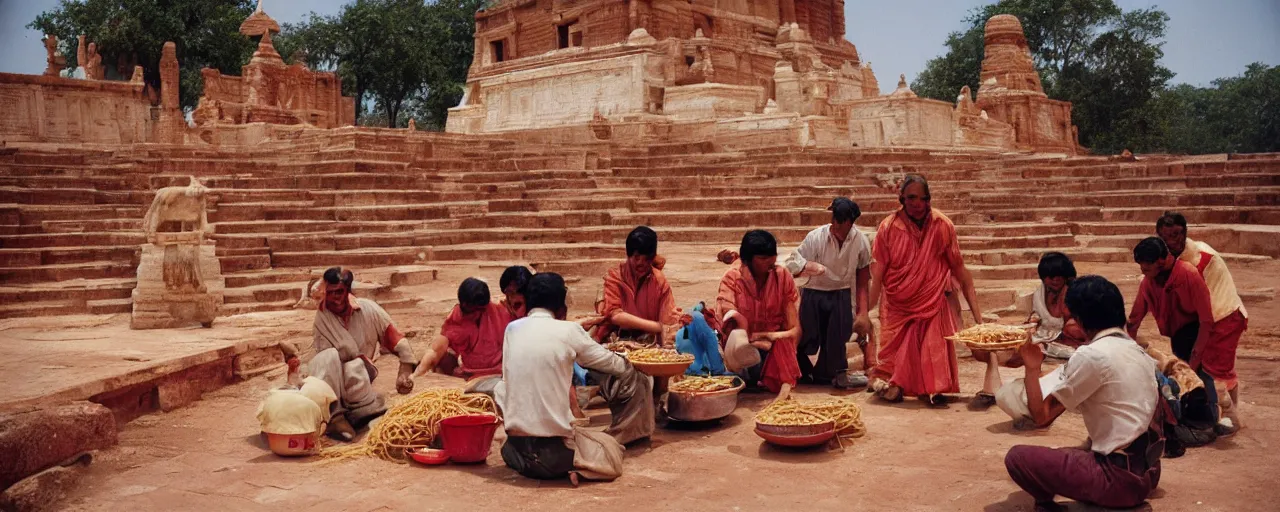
column 1178, row 298
column 758, row 308
column 474, row 331
column 916, row 253
column 638, row 303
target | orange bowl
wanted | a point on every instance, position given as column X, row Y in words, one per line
column 429, row 456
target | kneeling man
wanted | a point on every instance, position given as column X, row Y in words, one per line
column 1111, row 382
column 537, row 365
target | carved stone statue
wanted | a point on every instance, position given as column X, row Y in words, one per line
column 179, row 278
column 53, row 58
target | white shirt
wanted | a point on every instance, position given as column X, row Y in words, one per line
column 1112, row 383
column 538, row 353
column 842, row 261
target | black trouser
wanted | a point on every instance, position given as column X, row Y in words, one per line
column 543, row 458
column 1183, row 342
column 826, row 324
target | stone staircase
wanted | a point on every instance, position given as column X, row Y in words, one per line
column 369, row 198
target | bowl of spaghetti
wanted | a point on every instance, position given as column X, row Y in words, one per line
column 703, row 398
column 993, row 337
column 659, row 362
column 809, row 422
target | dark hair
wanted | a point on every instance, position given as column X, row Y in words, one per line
column 546, row 290
column 1150, row 250
column 1056, row 264
column 339, row 275
column 643, row 241
column 844, row 209
column 1171, row 218
column 757, row 242
column 914, row 178
column 516, row 274
column 1095, row 303
column 473, row 292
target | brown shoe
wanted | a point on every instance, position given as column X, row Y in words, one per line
column 340, row 429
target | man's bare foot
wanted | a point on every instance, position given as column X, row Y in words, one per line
column 573, row 478
column 340, row 429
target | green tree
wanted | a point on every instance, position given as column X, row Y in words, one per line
column 401, row 55
column 129, row 32
column 1088, row 52
column 1238, row 114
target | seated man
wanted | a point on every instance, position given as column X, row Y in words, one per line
column 1112, row 383
column 758, row 307
column 473, row 331
column 537, row 362
column 638, row 303
column 512, row 283
column 347, row 334
column 1059, row 334
column 1175, row 294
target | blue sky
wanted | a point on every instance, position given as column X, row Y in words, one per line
column 1206, row 39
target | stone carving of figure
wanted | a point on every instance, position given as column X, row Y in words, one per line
column 185, row 205
column 53, row 58
column 93, row 69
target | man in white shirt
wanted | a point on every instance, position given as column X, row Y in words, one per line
column 538, row 354
column 833, row 303
column 1111, row 382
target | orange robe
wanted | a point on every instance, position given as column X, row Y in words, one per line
column 914, row 315
column 648, row 298
column 763, row 311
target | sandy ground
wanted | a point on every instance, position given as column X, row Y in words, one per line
column 209, row 456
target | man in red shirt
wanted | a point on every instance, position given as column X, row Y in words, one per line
column 1175, row 294
column 474, row 331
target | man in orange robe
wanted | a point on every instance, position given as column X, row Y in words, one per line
column 474, row 332
column 758, row 309
column 916, row 253
column 637, row 298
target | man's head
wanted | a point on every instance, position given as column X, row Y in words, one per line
column 759, row 251
column 642, row 246
column 513, row 282
column 546, row 291
column 1095, row 303
column 1172, row 228
column 844, row 212
column 337, row 286
column 914, row 197
column 1056, row 270
column 473, row 296
column 1152, row 256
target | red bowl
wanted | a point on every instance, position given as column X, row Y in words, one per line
column 468, row 438
column 429, row 456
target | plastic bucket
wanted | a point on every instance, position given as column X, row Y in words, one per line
column 468, row 438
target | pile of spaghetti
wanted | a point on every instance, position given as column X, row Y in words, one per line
column 992, row 336
column 846, row 415
column 413, row 423
column 703, row 384
column 658, row 355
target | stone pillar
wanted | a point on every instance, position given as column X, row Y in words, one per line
column 171, row 125
column 787, row 11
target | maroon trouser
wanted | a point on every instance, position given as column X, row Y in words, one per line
column 1081, row 475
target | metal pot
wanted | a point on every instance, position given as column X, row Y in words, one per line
column 687, row 406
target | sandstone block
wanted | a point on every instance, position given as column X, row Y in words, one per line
column 37, row 440
column 42, row 490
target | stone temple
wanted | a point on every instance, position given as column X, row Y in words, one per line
column 581, row 120
column 736, row 72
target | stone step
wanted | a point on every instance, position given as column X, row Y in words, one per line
column 245, row 279
column 265, row 293
column 64, row 255
column 110, row 306
column 27, row 309
column 90, row 239
column 78, row 290
column 65, row 272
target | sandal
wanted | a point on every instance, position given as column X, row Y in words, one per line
column 891, row 394
column 983, row 400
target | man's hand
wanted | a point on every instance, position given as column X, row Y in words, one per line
column 763, row 340
column 813, row 268
column 404, row 381
column 862, row 325
column 1032, row 356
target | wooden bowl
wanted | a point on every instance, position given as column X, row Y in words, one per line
column 797, row 441
column 816, row 429
column 662, row 369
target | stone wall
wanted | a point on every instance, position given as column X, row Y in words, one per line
column 901, row 122
column 38, row 108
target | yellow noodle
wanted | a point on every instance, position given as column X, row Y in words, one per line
column 658, row 355
column 413, row 423
column 846, row 415
column 702, row 384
